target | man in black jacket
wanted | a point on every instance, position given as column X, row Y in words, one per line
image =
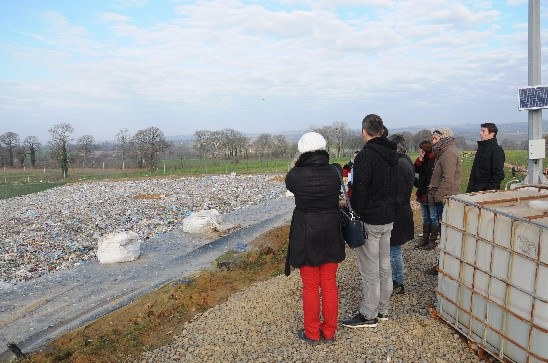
column 373, row 198
column 488, row 167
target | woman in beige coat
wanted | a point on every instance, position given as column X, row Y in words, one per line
column 445, row 176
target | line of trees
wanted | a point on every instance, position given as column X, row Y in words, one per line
column 232, row 144
column 146, row 147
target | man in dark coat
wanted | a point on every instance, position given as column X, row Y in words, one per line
column 315, row 241
column 373, row 198
column 488, row 167
column 404, row 228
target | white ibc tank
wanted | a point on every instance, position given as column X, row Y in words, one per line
column 493, row 279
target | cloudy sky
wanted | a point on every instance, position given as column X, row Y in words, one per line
column 259, row 66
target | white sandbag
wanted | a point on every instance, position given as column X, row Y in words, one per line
column 119, row 247
column 203, row 222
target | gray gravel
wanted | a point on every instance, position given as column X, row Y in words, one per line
column 260, row 325
column 35, row 311
column 59, row 228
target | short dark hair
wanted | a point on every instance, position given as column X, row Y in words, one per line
column 401, row 143
column 372, row 124
column 384, row 131
column 426, row 145
column 491, row 127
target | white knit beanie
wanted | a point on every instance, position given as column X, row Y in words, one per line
column 443, row 132
column 311, row 141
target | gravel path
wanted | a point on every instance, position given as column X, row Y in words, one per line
column 260, row 325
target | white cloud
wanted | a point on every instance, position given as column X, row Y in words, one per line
column 130, row 3
column 114, row 18
column 224, row 55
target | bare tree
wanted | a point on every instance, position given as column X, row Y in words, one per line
column 218, row 144
column 226, row 143
column 235, row 143
column 355, row 140
column 85, row 146
column 423, row 134
column 3, row 156
column 33, row 145
column 60, row 138
column 21, row 155
column 183, row 151
column 123, row 140
column 339, row 135
column 408, row 137
column 327, row 134
column 150, row 142
column 10, row 140
column 263, row 145
column 280, row 146
column 201, row 140
column 241, row 143
column 336, row 135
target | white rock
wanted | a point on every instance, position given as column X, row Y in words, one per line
column 119, row 247
column 203, row 222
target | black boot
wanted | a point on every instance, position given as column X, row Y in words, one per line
column 432, row 241
column 397, row 289
column 425, row 235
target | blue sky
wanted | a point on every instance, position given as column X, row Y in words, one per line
column 258, row 66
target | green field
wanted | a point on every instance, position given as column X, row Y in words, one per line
column 15, row 182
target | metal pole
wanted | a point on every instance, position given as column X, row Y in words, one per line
column 534, row 172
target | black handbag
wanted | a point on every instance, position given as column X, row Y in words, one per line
column 352, row 228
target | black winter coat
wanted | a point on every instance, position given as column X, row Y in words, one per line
column 374, row 181
column 404, row 228
column 488, row 167
column 315, row 237
column 424, row 168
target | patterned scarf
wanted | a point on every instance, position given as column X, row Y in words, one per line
column 440, row 146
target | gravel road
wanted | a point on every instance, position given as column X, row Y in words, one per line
column 260, row 325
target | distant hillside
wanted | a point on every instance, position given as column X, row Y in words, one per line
column 292, row 135
column 516, row 131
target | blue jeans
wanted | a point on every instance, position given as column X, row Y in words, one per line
column 396, row 260
column 375, row 270
column 431, row 214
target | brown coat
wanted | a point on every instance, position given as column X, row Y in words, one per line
column 447, row 173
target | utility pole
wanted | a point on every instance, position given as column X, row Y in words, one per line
column 536, row 142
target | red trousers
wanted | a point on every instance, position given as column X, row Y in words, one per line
column 314, row 279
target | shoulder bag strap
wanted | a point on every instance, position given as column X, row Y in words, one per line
column 344, row 189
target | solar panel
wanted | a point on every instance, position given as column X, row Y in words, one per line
column 533, row 98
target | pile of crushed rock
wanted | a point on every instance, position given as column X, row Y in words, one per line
column 59, row 228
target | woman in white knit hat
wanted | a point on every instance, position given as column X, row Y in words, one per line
column 315, row 243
